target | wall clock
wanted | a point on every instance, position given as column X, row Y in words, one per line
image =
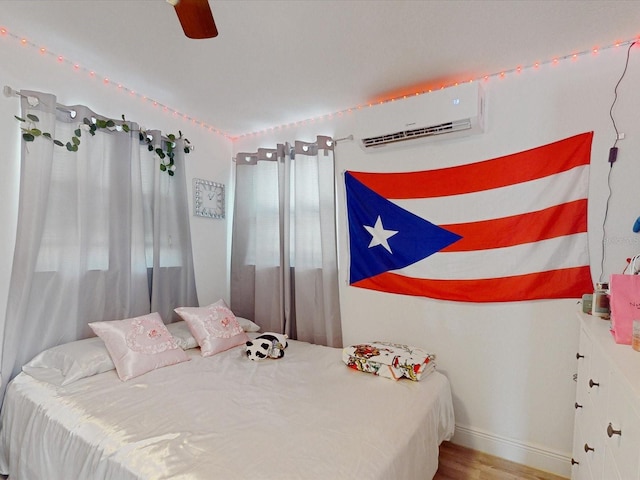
column 208, row 198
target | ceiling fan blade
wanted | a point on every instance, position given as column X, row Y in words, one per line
column 196, row 18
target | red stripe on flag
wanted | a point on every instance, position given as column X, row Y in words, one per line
column 519, row 167
column 551, row 284
column 566, row 219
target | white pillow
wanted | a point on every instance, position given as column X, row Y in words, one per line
column 64, row 364
column 215, row 327
column 182, row 334
column 139, row 345
column 247, row 325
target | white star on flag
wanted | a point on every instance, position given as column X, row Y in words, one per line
column 379, row 235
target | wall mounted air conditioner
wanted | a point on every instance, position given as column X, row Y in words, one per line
column 441, row 114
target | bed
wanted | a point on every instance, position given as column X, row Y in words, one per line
column 303, row 416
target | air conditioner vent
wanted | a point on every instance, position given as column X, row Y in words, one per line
column 449, row 127
column 449, row 113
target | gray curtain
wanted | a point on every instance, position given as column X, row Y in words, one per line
column 169, row 258
column 102, row 234
column 284, row 268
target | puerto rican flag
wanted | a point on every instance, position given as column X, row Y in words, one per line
column 511, row 228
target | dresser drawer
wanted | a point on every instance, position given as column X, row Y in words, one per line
column 583, row 357
column 580, row 468
column 610, row 467
column 597, row 383
column 621, row 429
column 593, row 444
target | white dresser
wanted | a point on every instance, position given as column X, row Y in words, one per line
column 606, row 441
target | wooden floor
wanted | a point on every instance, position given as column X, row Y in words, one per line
column 460, row 463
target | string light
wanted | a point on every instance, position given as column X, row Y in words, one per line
column 486, row 77
column 107, row 82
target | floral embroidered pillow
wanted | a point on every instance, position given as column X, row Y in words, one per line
column 215, row 327
column 182, row 334
column 139, row 345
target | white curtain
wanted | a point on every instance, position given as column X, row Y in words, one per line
column 102, row 234
column 284, row 267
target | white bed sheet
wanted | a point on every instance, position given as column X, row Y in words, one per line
column 305, row 416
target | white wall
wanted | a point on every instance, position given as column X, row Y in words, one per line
column 26, row 68
column 510, row 365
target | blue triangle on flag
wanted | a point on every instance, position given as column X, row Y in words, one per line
column 415, row 237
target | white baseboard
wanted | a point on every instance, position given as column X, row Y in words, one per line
column 515, row 451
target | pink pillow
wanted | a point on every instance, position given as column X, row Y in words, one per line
column 139, row 345
column 215, row 327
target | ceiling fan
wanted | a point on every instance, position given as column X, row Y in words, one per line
column 196, row 18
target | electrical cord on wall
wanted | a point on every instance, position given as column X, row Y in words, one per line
column 615, row 96
column 604, row 222
column 613, row 155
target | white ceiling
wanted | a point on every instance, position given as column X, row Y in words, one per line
column 281, row 61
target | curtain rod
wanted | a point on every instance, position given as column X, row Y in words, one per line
column 330, row 141
column 350, row 137
column 10, row 92
column 33, row 101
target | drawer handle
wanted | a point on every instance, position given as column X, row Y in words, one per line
column 588, row 449
column 593, row 384
column 573, row 462
column 578, row 356
column 577, row 405
column 611, row 431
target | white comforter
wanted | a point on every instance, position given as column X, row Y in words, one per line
column 305, row 416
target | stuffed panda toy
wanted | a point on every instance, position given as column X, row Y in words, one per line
column 267, row 345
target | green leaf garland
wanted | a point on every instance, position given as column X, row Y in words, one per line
column 166, row 154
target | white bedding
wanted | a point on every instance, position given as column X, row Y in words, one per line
column 305, row 416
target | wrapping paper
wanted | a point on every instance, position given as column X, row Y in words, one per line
column 390, row 360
